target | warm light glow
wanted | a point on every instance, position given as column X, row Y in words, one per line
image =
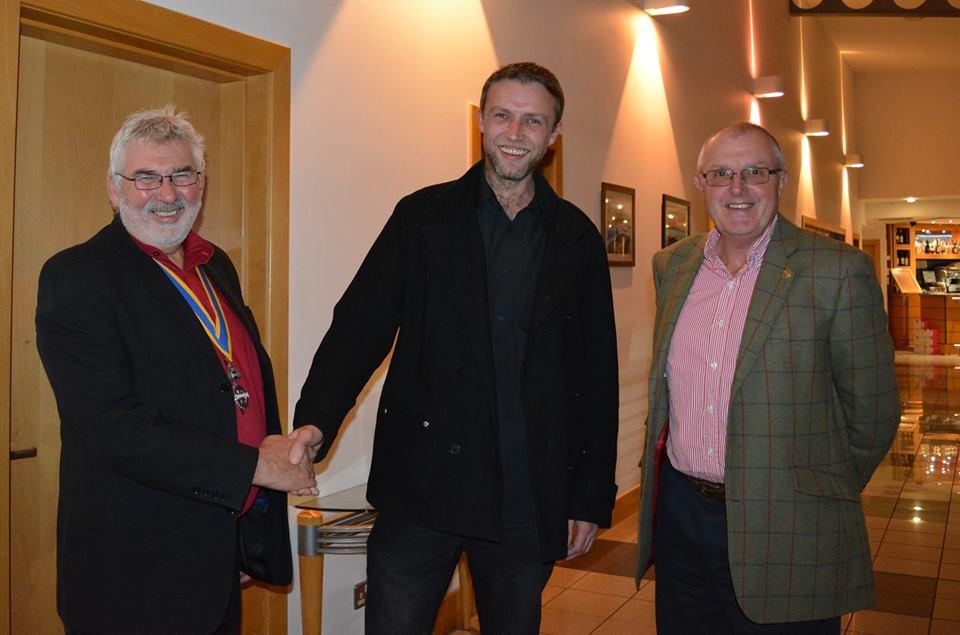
column 815, row 128
column 911, row 199
column 846, row 217
column 843, row 115
column 803, row 78
column 753, row 44
column 755, row 112
column 806, row 202
column 665, row 7
column 853, row 161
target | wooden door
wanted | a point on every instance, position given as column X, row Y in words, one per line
column 872, row 247
column 73, row 91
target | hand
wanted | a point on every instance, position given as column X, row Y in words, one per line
column 580, row 535
column 244, row 578
column 275, row 471
column 308, row 439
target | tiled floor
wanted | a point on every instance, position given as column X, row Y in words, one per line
column 912, row 505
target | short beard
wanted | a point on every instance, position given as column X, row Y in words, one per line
column 172, row 236
column 517, row 175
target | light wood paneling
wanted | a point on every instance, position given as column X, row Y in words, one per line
column 84, row 67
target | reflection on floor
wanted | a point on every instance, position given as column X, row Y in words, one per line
column 912, row 506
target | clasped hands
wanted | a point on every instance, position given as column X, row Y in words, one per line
column 286, row 462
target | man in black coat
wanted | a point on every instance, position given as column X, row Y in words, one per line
column 497, row 427
column 172, row 468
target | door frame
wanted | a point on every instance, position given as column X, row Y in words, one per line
column 129, row 29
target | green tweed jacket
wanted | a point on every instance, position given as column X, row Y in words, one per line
column 813, row 409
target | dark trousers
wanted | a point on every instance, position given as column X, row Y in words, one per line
column 694, row 592
column 409, row 569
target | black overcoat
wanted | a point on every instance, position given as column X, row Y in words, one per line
column 436, row 457
column 151, row 473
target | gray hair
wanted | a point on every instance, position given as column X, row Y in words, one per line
column 742, row 128
column 158, row 125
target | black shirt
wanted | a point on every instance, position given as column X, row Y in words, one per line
column 513, row 251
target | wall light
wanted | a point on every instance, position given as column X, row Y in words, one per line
column 768, row 87
column 815, row 128
column 852, row 161
column 663, row 7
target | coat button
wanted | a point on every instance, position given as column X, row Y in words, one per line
column 461, row 370
column 386, row 410
column 425, row 424
column 455, row 449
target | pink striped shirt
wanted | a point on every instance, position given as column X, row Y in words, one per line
column 703, row 358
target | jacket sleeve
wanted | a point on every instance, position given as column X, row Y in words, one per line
column 861, row 354
column 103, row 415
column 365, row 323
column 594, row 490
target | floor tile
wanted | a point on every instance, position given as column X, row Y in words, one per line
column 943, row 627
column 913, row 538
column 948, row 589
column 549, row 592
column 905, row 584
column 947, row 609
column 903, row 604
column 647, row 592
column 911, row 552
column 557, row 622
column 596, row 582
column 923, row 527
column 950, row 571
column 906, row 567
column 617, row 627
column 640, row 612
column 587, row 603
column 563, row 577
column 878, row 623
column 951, row 556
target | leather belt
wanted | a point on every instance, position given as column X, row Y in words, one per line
column 707, row 489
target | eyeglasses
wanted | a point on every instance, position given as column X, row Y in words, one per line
column 148, row 181
column 750, row 176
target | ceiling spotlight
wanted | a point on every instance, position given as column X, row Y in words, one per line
column 815, row 128
column 663, row 7
column 853, row 161
column 768, row 87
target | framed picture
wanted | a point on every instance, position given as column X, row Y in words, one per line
column 617, row 224
column 675, row 214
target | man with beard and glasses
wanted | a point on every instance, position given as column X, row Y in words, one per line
column 497, row 426
column 173, row 471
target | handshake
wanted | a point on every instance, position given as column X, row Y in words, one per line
column 286, row 462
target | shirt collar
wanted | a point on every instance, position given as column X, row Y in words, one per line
column 754, row 255
column 488, row 196
column 196, row 251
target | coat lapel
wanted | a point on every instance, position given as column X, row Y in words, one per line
column 455, row 244
column 138, row 265
column 769, row 295
column 679, row 273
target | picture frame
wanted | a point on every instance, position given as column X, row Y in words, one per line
column 675, row 219
column 618, row 224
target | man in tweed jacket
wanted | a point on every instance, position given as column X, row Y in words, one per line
column 772, row 399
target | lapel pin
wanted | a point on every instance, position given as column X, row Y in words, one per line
column 787, row 273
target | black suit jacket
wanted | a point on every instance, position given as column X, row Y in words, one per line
column 435, row 456
column 151, row 473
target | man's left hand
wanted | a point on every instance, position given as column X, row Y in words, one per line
column 580, row 535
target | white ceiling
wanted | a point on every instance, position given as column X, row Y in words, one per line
column 896, row 45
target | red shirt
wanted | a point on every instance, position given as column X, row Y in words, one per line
column 703, row 358
column 252, row 422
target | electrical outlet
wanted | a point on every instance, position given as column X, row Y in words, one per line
column 359, row 594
